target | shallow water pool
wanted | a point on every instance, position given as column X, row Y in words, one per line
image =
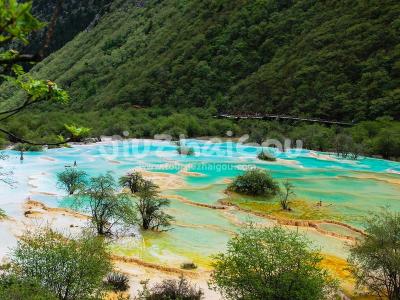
column 351, row 189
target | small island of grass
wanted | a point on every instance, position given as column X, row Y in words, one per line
column 250, row 191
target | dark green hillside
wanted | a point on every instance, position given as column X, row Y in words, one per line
column 331, row 59
column 74, row 16
column 167, row 66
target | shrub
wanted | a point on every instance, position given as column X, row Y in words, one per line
column 3, row 143
column 387, row 143
column 118, row 282
column 2, row 214
column 346, row 148
column 13, row 288
column 285, row 194
column 270, row 263
column 314, row 136
column 172, row 290
column 28, row 148
column 374, row 260
column 182, row 150
column 265, row 155
column 188, row 266
column 255, row 182
column 71, row 268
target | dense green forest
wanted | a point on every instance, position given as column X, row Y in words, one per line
column 167, row 66
column 333, row 59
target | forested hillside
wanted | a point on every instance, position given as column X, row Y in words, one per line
column 332, row 59
column 167, row 66
column 71, row 17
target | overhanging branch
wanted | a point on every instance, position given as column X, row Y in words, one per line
column 20, row 58
column 21, row 140
column 14, row 111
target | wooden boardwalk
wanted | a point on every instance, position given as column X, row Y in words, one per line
column 280, row 117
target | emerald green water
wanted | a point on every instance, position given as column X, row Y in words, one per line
column 349, row 190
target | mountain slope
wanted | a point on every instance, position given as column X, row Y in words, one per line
column 330, row 59
column 73, row 17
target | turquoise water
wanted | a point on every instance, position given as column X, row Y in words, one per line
column 206, row 195
column 351, row 189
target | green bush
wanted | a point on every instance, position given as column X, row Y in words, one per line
column 182, row 150
column 3, row 143
column 117, row 282
column 171, row 290
column 71, row 180
column 13, row 288
column 72, row 268
column 374, row 259
column 255, row 182
column 380, row 137
column 188, row 266
column 2, row 214
column 28, row 148
column 265, row 155
column 271, row 263
column 315, row 136
column 107, row 207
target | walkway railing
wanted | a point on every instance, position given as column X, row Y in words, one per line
column 280, row 117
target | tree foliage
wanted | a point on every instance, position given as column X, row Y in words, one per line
column 150, row 208
column 171, row 289
column 70, row 268
column 108, row 208
column 285, row 194
column 255, row 182
column 375, row 259
column 266, row 156
column 72, row 180
column 16, row 24
column 133, row 181
column 70, row 19
column 16, row 21
column 27, row 147
column 2, row 214
column 334, row 60
column 183, row 150
column 270, row 263
column 14, row 288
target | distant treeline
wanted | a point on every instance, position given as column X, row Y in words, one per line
column 380, row 137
